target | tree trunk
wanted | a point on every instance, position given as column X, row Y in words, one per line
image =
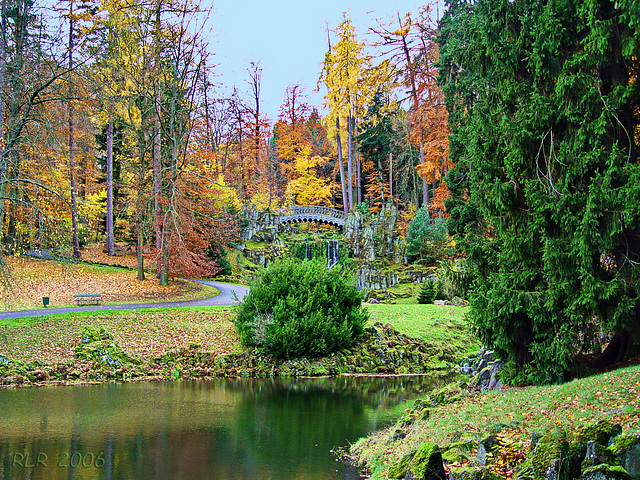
column 111, row 250
column 425, row 194
column 614, row 352
column 358, row 166
column 3, row 157
column 349, row 162
column 138, row 216
column 345, row 205
column 157, row 180
column 391, row 175
column 74, row 207
column 139, row 253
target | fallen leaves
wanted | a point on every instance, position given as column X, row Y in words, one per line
column 30, row 280
column 53, row 339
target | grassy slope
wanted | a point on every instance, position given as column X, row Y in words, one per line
column 443, row 326
column 153, row 332
column 612, row 396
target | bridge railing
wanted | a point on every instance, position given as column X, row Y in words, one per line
column 297, row 210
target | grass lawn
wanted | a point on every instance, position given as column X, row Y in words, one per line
column 24, row 282
column 443, row 326
column 52, row 339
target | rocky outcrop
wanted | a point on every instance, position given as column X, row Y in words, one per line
column 371, row 236
column 264, row 222
column 265, row 253
column 370, row 278
column 554, row 456
column 584, row 455
column 483, row 369
column 382, row 350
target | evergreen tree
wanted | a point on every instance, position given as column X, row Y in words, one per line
column 544, row 111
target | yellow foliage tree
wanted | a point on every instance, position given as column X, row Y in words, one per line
column 308, row 188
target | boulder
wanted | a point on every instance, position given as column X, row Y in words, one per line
column 426, row 464
column 600, row 432
column 457, row 452
column 597, row 454
column 627, row 448
column 550, row 459
column 471, row 473
column 484, row 379
column 485, row 447
column 92, row 334
column 605, row 472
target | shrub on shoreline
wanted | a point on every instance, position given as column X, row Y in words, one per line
column 301, row 309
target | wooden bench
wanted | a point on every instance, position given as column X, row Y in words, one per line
column 88, row 298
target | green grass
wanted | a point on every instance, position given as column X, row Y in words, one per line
column 443, row 326
column 517, row 413
column 97, row 316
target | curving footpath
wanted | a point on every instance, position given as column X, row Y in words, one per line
column 229, row 295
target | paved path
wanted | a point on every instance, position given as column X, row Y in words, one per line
column 229, row 295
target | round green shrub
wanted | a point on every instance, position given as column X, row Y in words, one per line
column 301, row 309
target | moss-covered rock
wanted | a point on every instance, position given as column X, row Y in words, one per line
column 104, row 353
column 605, row 472
column 600, row 432
column 426, row 464
column 98, row 349
column 450, row 393
column 597, row 454
column 91, row 334
column 473, row 473
column 549, row 460
column 457, row 452
column 627, row 448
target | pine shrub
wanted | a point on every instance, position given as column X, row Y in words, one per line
column 431, row 290
column 301, row 309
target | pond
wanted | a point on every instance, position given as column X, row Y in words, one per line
column 220, row 429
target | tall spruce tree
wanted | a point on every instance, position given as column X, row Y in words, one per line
column 544, row 102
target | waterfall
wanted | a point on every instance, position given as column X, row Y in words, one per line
column 307, row 250
column 333, row 253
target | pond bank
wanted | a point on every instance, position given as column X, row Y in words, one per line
column 98, row 358
column 516, row 432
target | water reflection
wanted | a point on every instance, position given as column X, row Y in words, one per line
column 221, row 429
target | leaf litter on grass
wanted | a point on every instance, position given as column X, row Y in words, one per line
column 29, row 280
column 53, row 339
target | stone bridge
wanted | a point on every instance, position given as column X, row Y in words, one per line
column 267, row 222
column 311, row 213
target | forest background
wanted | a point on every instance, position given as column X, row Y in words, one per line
column 113, row 128
column 112, row 124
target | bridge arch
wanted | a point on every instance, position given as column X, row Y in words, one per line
column 311, row 213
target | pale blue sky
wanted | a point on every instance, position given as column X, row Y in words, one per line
column 288, row 37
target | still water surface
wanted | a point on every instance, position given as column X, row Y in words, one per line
column 248, row 429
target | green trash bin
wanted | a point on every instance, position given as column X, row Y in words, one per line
column 45, row 301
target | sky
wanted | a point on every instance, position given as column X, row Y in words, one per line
column 288, row 38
